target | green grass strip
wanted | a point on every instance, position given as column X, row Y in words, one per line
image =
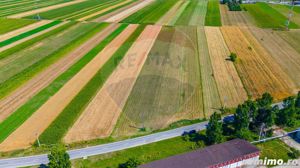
column 213, row 17
column 151, row 13
column 59, row 127
column 8, row 25
column 17, row 80
column 111, row 10
column 267, row 17
column 29, row 33
column 11, row 123
column 184, row 19
column 24, row 45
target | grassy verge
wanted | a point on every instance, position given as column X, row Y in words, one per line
column 29, row 33
column 55, row 132
column 213, row 17
column 20, row 78
column 274, row 149
column 25, row 111
column 145, row 153
column 24, row 45
column 8, row 25
column 151, row 13
column 267, row 17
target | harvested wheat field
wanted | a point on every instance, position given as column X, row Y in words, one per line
column 26, row 134
column 122, row 15
column 258, row 70
column 168, row 88
column 231, row 89
column 291, row 37
column 11, row 103
column 104, row 110
column 211, row 98
column 234, row 18
column 282, row 52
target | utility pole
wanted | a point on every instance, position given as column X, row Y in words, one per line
column 290, row 15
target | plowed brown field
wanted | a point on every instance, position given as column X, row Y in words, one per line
column 11, row 103
column 104, row 110
column 230, row 87
column 26, row 134
column 258, row 70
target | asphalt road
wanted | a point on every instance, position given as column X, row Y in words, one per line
column 105, row 148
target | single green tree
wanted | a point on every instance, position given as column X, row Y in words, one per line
column 233, row 57
column 59, row 158
column 241, row 117
column 131, row 163
column 265, row 101
column 214, row 129
column 287, row 116
column 297, row 103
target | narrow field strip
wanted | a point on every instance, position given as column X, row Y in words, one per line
column 178, row 13
column 103, row 10
column 103, row 111
column 91, row 10
column 151, row 13
column 213, row 17
column 230, row 87
column 285, row 10
column 267, row 17
column 29, row 7
column 20, row 15
column 8, row 25
column 234, row 18
column 184, row 18
column 258, row 70
column 198, row 17
column 120, row 16
column 170, row 14
column 20, row 41
column 20, row 96
column 68, row 11
column 28, row 33
column 292, row 37
column 56, row 130
column 286, row 56
column 23, row 29
column 211, row 98
column 33, row 127
column 168, row 87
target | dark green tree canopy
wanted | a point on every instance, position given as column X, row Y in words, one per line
column 59, row 158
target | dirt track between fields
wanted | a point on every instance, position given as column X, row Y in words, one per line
column 11, row 103
column 230, row 87
column 122, row 15
column 104, row 10
column 23, row 30
column 258, row 70
column 26, row 134
column 20, row 15
column 104, row 110
column 30, row 37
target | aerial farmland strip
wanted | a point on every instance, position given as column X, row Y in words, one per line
column 234, row 18
column 119, row 14
column 178, row 13
column 184, row 18
column 16, row 41
column 112, row 11
column 21, row 30
column 11, row 124
column 56, row 131
column 230, row 87
column 170, row 14
column 29, row 33
column 213, row 17
column 198, row 17
column 29, row 7
column 258, row 70
column 151, row 13
column 211, row 98
column 8, row 25
column 292, row 37
column 20, row 96
column 104, row 110
column 285, row 55
column 168, row 87
column 285, row 10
